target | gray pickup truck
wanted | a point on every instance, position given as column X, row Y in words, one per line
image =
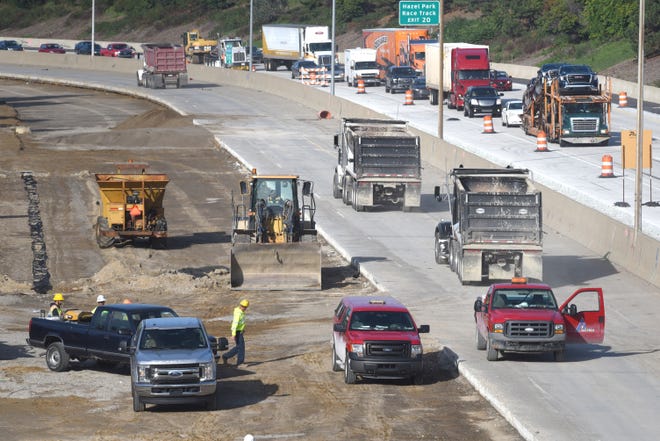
column 172, row 362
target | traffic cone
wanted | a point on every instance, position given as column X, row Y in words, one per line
column 409, row 98
column 541, row 142
column 360, row 88
column 488, row 124
column 607, row 168
column 623, row 99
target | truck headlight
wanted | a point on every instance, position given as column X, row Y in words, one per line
column 143, row 373
column 474, row 102
column 416, row 351
column 498, row 327
column 207, row 371
column 559, row 328
column 358, row 349
column 498, row 102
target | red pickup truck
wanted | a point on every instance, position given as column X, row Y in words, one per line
column 113, row 49
column 376, row 337
column 524, row 317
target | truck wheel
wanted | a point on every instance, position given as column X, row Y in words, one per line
column 481, row 342
column 387, row 88
column 336, row 191
column 349, row 375
column 452, row 256
column 417, row 380
column 559, row 356
column 57, row 358
column 356, row 206
column 436, row 247
column 492, row 353
column 138, row 404
column 102, row 225
column 335, row 360
column 347, row 189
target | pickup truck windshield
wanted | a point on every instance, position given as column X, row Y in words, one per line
column 524, row 298
column 188, row 338
column 381, row 321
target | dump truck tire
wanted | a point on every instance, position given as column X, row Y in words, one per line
column 101, row 240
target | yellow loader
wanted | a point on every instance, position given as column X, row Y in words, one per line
column 274, row 239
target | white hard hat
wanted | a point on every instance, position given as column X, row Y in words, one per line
column 100, row 298
column 248, row 437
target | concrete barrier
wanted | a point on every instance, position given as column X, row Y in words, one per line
column 614, row 241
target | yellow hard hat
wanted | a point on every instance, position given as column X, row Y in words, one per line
column 58, row 297
column 126, row 301
column 244, row 303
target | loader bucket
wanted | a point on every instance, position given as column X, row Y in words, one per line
column 276, row 267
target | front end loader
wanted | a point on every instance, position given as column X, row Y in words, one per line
column 274, row 238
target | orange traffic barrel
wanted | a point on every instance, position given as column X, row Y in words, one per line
column 623, row 99
column 409, row 98
column 541, row 142
column 324, row 114
column 488, row 124
column 312, row 78
column 361, row 88
column 607, row 167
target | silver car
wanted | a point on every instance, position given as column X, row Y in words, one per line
column 512, row 113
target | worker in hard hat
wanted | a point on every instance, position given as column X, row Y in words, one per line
column 237, row 331
column 100, row 301
column 55, row 310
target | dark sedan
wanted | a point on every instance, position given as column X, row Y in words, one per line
column 85, row 48
column 482, row 99
column 420, row 92
column 10, row 45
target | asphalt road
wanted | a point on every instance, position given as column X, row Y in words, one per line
column 601, row 392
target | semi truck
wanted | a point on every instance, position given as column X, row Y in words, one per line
column 232, row 54
column 398, row 46
column 463, row 65
column 283, row 44
column 567, row 119
column 495, row 231
column 378, row 164
column 164, row 64
column 360, row 64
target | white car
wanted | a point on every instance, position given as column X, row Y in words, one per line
column 512, row 113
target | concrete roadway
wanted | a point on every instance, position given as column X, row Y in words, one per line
column 601, row 392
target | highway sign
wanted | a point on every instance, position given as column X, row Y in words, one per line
column 419, row 13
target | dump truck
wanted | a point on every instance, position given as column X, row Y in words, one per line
column 283, row 44
column 274, row 237
column 378, row 164
column 197, row 49
column 495, row 231
column 164, row 64
column 397, row 47
column 131, row 206
column 567, row 119
column 463, row 65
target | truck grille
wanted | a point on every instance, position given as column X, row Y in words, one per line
column 175, row 374
column 528, row 329
column 584, row 124
column 389, row 349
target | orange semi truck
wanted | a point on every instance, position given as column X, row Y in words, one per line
column 398, row 46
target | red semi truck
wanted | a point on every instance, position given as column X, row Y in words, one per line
column 397, row 46
column 463, row 65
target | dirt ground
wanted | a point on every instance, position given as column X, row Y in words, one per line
column 286, row 390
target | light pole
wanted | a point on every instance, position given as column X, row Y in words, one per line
column 251, row 47
column 91, row 50
column 332, row 62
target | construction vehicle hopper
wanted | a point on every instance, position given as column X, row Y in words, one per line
column 274, row 244
column 131, row 206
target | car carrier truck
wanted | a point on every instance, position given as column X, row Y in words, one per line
column 463, row 65
column 164, row 64
column 378, row 163
column 495, row 231
column 567, row 119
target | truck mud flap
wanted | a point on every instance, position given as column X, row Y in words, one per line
column 276, row 267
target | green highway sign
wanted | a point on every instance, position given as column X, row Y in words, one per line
column 419, row 13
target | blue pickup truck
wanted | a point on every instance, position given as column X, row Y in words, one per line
column 98, row 337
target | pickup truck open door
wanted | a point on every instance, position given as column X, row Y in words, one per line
column 584, row 316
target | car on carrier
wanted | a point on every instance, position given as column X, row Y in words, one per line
column 522, row 317
column 577, row 79
column 376, row 337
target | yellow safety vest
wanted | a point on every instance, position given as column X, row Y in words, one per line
column 238, row 324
